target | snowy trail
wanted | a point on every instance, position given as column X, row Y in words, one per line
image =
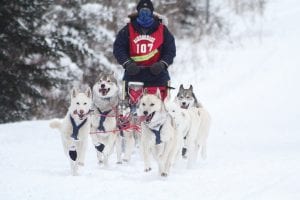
column 253, row 152
column 33, row 167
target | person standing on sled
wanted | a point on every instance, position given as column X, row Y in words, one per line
column 145, row 48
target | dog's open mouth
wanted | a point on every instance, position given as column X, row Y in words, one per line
column 149, row 117
column 80, row 115
column 104, row 91
column 185, row 106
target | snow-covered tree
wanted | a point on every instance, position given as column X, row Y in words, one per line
column 24, row 59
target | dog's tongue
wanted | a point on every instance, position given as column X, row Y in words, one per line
column 81, row 116
column 149, row 117
column 185, row 106
column 104, row 91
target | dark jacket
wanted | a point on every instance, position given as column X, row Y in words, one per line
column 168, row 52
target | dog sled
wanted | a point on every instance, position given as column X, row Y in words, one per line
column 134, row 91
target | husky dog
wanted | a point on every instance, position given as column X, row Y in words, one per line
column 186, row 98
column 125, row 121
column 104, row 129
column 75, row 128
column 200, row 123
column 158, row 134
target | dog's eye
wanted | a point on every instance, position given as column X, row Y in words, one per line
column 143, row 104
column 152, row 104
column 108, row 81
column 77, row 103
column 84, row 103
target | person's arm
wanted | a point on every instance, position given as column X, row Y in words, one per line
column 121, row 46
column 168, row 51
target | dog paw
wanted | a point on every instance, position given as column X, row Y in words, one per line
column 119, row 162
column 73, row 155
column 148, row 169
column 164, row 174
column 100, row 162
column 183, row 152
column 125, row 160
column 100, row 147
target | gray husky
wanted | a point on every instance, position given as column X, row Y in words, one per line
column 104, row 129
column 200, row 124
column 126, row 123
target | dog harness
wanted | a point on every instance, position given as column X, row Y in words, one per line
column 157, row 134
column 76, row 128
column 103, row 116
column 123, row 124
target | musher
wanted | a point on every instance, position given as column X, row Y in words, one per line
column 145, row 48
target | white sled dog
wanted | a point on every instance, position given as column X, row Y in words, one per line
column 75, row 128
column 104, row 130
column 196, row 137
column 158, row 135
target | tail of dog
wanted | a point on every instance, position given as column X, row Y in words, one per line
column 55, row 123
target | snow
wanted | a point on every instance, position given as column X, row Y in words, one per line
column 251, row 91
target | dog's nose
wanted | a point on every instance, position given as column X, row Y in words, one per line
column 81, row 111
column 145, row 113
column 184, row 103
column 102, row 86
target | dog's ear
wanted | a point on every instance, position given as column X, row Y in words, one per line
column 88, row 92
column 158, row 93
column 181, row 87
column 191, row 88
column 112, row 73
column 74, row 93
column 145, row 91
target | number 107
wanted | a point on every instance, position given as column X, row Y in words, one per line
column 142, row 48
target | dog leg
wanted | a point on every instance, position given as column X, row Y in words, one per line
column 192, row 157
column 109, row 147
column 82, row 151
column 161, row 166
column 203, row 151
column 168, row 157
column 74, row 168
column 146, row 156
column 129, row 144
column 119, row 149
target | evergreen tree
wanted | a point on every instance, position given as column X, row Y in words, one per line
column 24, row 59
column 83, row 32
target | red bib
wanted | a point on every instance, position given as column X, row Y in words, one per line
column 144, row 49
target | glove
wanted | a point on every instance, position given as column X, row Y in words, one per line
column 132, row 68
column 157, row 67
